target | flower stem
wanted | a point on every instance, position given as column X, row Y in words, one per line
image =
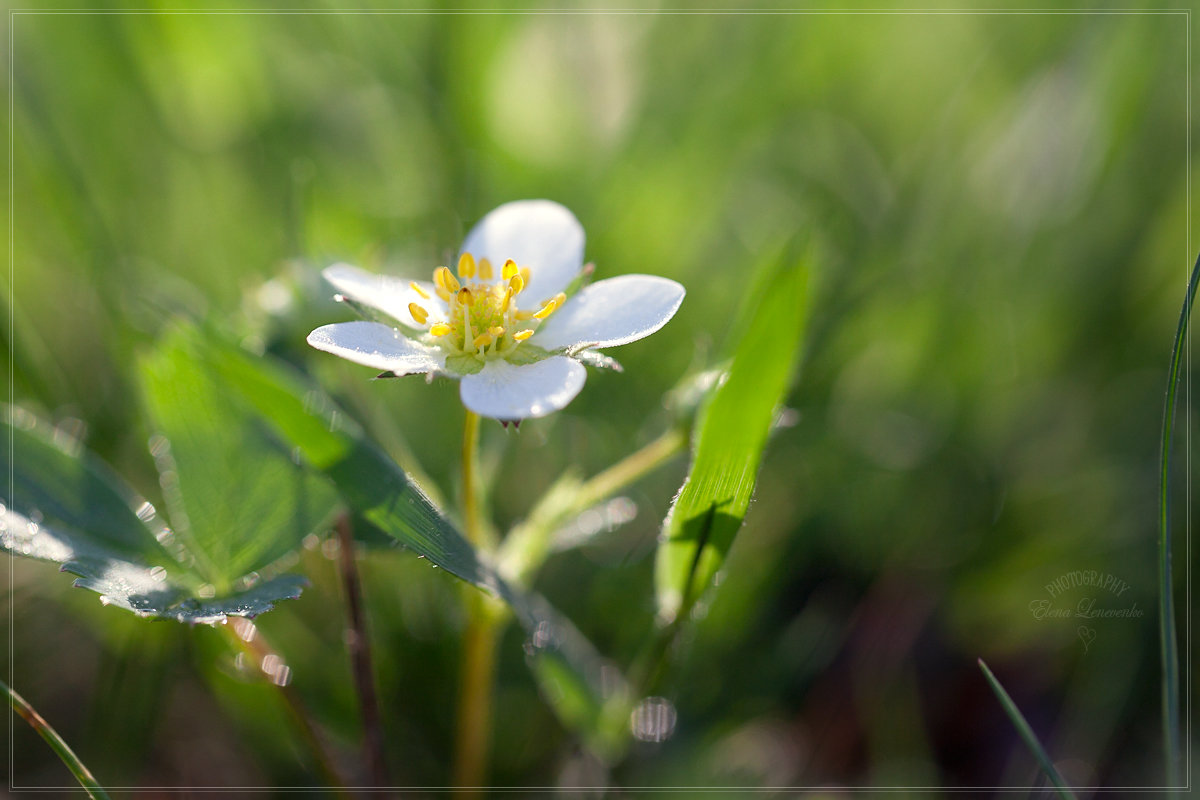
column 359, row 647
column 249, row 639
column 474, row 724
column 470, row 478
column 60, row 747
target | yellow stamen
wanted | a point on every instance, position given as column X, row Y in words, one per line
column 439, row 329
column 507, row 301
column 466, row 266
column 496, row 331
column 524, row 315
column 559, row 299
column 418, row 313
column 516, row 283
column 524, row 273
column 445, row 278
column 521, row 336
column 417, row 288
column 484, row 339
column 547, row 309
column 510, row 269
column 485, row 269
column 442, row 293
column 465, row 297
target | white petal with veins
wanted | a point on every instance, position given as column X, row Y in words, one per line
column 612, row 312
column 504, row 391
column 539, row 234
column 387, row 293
column 374, row 344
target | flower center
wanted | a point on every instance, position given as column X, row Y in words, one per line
column 484, row 319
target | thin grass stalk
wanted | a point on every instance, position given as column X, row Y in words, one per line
column 1166, row 597
column 359, row 648
column 1027, row 735
column 56, row 742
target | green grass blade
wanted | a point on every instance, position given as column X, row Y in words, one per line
column 731, row 436
column 60, row 747
column 1027, row 734
column 1166, row 598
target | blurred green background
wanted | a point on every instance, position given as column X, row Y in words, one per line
column 1000, row 204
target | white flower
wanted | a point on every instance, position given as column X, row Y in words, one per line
column 504, row 324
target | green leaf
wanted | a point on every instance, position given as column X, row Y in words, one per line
column 370, row 483
column 66, row 507
column 1027, row 735
column 1168, row 651
column 234, row 494
column 730, row 438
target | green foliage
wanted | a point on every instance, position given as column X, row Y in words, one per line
column 369, row 482
column 234, row 493
column 730, row 437
column 66, row 507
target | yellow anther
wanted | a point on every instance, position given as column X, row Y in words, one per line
column 510, row 269
column 416, row 287
column 547, row 309
column 507, row 301
column 559, row 299
column 516, row 283
column 484, row 339
column 445, row 278
column 521, row 336
column 439, row 329
column 524, row 315
column 496, row 331
column 465, row 297
column 442, row 293
column 466, row 266
column 485, row 270
column 418, row 313
column 524, row 273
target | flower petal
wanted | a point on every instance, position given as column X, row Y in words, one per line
column 611, row 312
column 388, row 293
column 374, row 344
column 505, row 391
column 539, row 234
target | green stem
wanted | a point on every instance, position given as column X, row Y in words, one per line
column 1026, row 733
column 60, row 748
column 472, row 520
column 528, row 544
column 474, row 723
column 1166, row 596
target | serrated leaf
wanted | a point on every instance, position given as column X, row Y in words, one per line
column 370, row 483
column 234, row 494
column 730, row 437
column 66, row 507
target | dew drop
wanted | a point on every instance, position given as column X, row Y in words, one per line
column 653, row 720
